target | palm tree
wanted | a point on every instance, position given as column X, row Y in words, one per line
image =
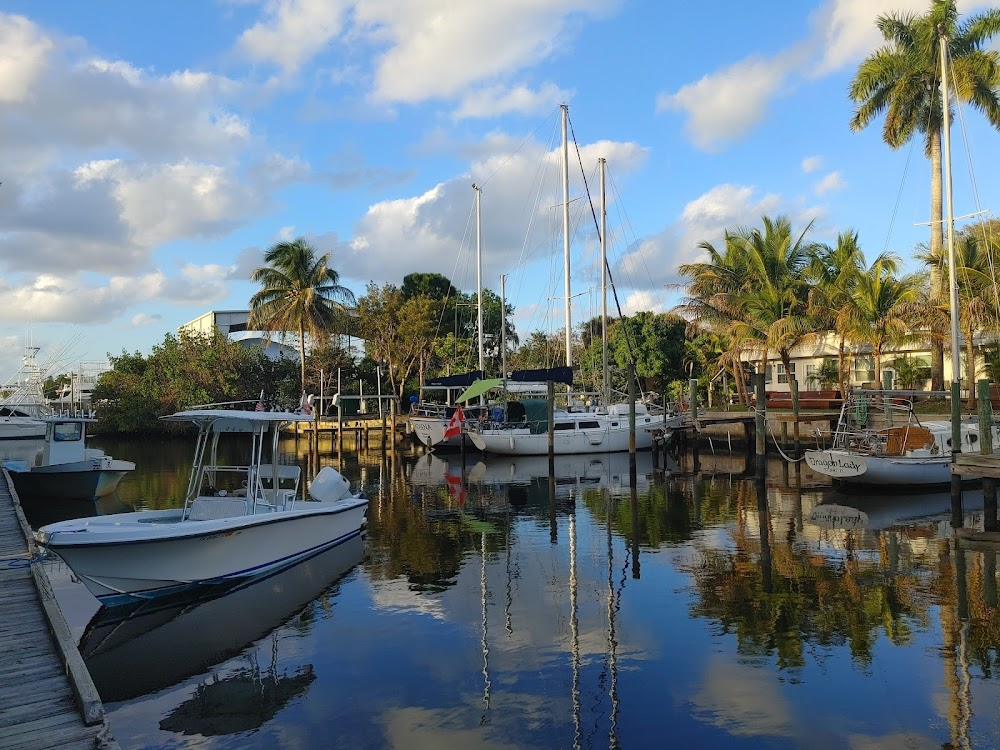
column 754, row 290
column 300, row 292
column 881, row 311
column 837, row 271
column 902, row 80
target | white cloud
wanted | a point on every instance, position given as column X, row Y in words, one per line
column 23, row 54
column 432, row 231
column 847, row 30
column 433, row 52
column 812, row 163
column 705, row 219
column 494, row 101
column 162, row 202
column 53, row 299
column 724, row 105
column 293, row 31
column 141, row 320
column 832, row 181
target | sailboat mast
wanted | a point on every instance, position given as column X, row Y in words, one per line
column 605, row 385
column 950, row 221
column 479, row 271
column 565, row 179
column 503, row 325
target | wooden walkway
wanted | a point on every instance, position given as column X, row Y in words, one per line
column 47, row 697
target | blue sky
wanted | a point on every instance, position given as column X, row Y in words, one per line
column 150, row 152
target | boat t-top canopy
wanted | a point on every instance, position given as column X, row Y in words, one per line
column 236, row 420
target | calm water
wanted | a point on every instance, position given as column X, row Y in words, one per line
column 490, row 607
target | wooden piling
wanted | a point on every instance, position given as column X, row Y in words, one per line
column 986, row 448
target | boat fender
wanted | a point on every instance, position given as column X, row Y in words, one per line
column 222, row 493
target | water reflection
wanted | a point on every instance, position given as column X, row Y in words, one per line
column 503, row 607
column 135, row 650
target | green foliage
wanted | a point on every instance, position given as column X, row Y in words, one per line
column 184, row 371
column 911, row 372
column 299, row 292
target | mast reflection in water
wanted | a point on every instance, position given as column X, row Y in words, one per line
column 497, row 606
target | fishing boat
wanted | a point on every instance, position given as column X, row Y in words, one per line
column 64, row 467
column 236, row 522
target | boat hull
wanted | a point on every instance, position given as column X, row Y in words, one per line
column 852, row 468
column 66, row 483
column 21, row 428
column 430, row 431
column 522, row 442
column 122, row 558
column 80, row 480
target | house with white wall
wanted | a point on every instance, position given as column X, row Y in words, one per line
column 233, row 323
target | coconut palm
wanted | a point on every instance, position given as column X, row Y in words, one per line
column 881, row 311
column 300, row 292
column 754, row 290
column 902, row 79
column 837, row 270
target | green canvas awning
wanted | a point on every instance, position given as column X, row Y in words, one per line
column 478, row 389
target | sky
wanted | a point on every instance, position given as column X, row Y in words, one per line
column 150, row 153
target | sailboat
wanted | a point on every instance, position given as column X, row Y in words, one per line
column 606, row 428
column 429, row 421
column 879, row 439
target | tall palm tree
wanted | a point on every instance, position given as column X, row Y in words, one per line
column 902, row 80
column 300, row 292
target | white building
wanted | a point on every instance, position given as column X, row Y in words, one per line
column 807, row 359
column 233, row 323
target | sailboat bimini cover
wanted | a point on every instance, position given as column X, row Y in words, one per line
column 478, row 389
column 555, row 374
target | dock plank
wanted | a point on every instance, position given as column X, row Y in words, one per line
column 48, row 698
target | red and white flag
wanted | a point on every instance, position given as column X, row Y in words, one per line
column 455, row 487
column 304, row 405
column 454, row 424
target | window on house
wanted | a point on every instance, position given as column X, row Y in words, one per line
column 767, row 373
column 783, row 376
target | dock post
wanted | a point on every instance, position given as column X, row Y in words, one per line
column 759, row 424
column 986, row 448
column 957, row 512
column 795, row 413
column 550, row 408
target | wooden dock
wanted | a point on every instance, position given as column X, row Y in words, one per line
column 47, row 697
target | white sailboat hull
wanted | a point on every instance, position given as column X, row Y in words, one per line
column 608, row 437
column 852, row 468
column 152, row 553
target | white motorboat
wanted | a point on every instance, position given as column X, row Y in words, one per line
column 879, row 440
column 237, row 521
column 64, row 467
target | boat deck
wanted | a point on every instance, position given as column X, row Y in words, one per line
column 48, row 697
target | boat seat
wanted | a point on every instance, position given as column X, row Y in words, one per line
column 214, row 508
